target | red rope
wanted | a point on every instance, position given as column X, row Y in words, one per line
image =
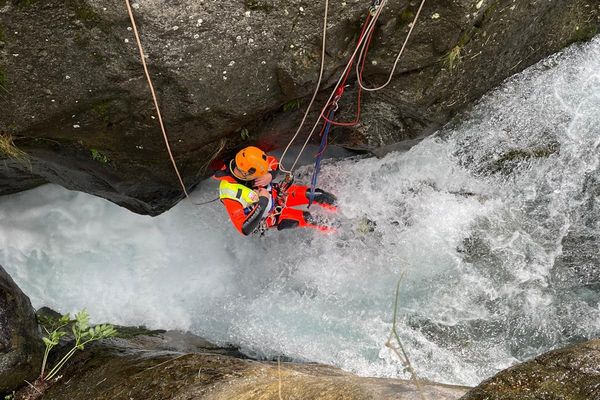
column 340, row 90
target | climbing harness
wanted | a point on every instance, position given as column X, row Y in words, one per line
column 279, row 203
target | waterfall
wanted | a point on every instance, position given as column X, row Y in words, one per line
column 494, row 222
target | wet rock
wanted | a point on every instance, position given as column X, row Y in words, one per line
column 572, row 373
column 181, row 366
column 20, row 345
column 233, row 73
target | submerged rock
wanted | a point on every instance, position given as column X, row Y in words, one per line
column 572, row 373
column 174, row 365
column 20, row 345
column 230, row 73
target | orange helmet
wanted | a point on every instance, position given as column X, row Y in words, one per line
column 252, row 163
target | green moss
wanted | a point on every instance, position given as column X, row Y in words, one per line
column 244, row 133
column 84, row 12
column 259, row 5
column 452, row 59
column 584, row 33
column 102, row 109
column 292, row 105
column 406, row 17
column 490, row 11
column 466, row 37
column 99, row 156
column 23, row 3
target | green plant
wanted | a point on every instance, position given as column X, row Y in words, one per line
column 24, row 3
column 406, row 17
column 292, row 105
column 10, row 396
column 98, row 156
column 54, row 333
column 244, row 134
column 452, row 58
column 8, row 148
column 82, row 333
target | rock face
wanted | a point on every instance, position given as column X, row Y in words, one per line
column 572, row 373
column 231, row 73
column 20, row 344
column 180, row 366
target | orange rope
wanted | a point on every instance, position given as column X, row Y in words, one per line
column 162, row 126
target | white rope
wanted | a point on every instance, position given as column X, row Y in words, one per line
column 162, row 126
column 361, row 41
column 314, row 94
column 362, row 54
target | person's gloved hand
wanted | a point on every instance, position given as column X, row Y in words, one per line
column 263, row 180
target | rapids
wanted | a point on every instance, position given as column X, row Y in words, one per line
column 494, row 222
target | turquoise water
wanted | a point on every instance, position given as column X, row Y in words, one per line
column 494, row 222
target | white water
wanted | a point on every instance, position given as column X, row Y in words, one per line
column 479, row 245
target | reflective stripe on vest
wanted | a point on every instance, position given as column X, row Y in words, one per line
column 240, row 193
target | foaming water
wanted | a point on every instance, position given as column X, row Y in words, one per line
column 491, row 220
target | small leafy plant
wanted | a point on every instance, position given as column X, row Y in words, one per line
column 99, row 156
column 54, row 333
column 244, row 134
column 82, row 333
column 292, row 105
column 452, row 59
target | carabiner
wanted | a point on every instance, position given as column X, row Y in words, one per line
column 374, row 7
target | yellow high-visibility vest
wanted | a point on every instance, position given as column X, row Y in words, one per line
column 237, row 192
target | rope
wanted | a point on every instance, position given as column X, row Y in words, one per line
column 328, row 102
column 362, row 48
column 343, row 84
column 314, row 96
column 160, row 120
column 156, row 106
column 363, row 54
column 315, row 176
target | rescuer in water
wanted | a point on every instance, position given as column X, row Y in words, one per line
column 254, row 202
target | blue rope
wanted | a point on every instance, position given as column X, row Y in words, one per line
column 315, row 176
